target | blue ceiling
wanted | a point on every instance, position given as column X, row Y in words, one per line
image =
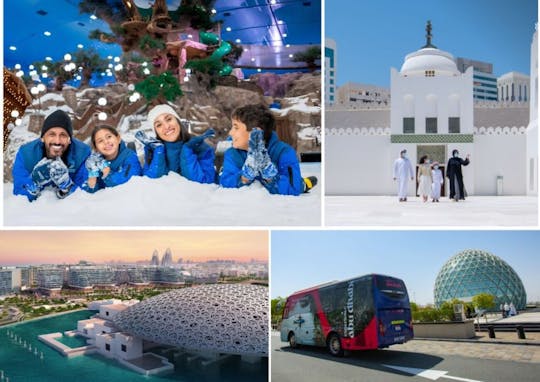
column 275, row 28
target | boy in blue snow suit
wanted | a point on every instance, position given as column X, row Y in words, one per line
column 174, row 149
column 258, row 154
column 113, row 163
column 55, row 160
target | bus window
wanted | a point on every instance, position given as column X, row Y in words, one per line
column 363, row 303
column 391, row 287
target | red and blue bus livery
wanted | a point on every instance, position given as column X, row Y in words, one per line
column 367, row 312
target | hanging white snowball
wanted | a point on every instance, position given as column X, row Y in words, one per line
column 67, row 57
column 102, row 116
column 15, row 113
column 102, row 101
column 18, row 122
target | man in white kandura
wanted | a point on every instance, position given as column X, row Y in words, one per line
column 402, row 171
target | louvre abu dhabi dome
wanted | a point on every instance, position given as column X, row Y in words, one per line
column 472, row 272
column 220, row 318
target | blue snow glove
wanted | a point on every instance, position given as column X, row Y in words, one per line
column 195, row 143
column 147, row 141
column 95, row 163
column 251, row 167
column 41, row 173
column 60, row 177
column 32, row 190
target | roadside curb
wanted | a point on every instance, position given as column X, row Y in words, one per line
column 496, row 342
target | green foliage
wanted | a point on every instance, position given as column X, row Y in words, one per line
column 147, row 42
column 200, row 16
column 431, row 313
column 484, row 301
column 102, row 36
column 164, row 85
column 205, row 65
column 309, row 56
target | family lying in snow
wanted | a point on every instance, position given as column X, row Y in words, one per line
column 64, row 163
column 430, row 178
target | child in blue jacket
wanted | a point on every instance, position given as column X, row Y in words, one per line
column 113, row 163
column 258, row 154
column 174, row 149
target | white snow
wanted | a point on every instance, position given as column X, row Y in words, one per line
column 168, row 201
column 388, row 211
column 298, row 104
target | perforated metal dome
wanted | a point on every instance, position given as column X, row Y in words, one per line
column 221, row 318
column 472, row 272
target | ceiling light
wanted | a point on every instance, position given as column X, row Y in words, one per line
column 214, row 11
column 291, row 55
column 288, row 46
column 93, row 17
column 284, row 34
column 273, row 2
column 252, row 59
column 48, row 58
column 47, row 33
column 228, row 29
column 80, row 46
column 238, row 41
column 259, row 70
column 110, row 57
column 280, row 22
column 12, row 47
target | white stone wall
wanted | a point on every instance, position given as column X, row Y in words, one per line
column 499, row 155
column 532, row 128
column 362, row 164
column 439, row 96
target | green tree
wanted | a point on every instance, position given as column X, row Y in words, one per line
column 276, row 309
column 309, row 56
column 484, row 301
column 160, row 88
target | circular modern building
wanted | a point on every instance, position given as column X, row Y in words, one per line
column 474, row 271
column 219, row 318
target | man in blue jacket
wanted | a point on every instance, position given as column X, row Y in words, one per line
column 55, row 160
column 258, row 154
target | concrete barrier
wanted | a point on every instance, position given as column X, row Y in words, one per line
column 462, row 329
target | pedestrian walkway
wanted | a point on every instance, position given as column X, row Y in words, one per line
column 502, row 348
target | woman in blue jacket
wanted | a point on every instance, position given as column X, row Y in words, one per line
column 258, row 154
column 113, row 163
column 175, row 149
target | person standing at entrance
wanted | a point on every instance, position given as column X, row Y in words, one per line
column 455, row 177
column 403, row 170
column 437, row 179
column 424, row 178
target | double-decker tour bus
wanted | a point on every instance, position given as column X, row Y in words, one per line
column 367, row 312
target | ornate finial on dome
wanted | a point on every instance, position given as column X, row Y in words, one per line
column 428, row 36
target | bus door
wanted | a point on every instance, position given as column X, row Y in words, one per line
column 303, row 320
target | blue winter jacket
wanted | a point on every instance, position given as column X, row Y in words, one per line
column 178, row 157
column 122, row 168
column 32, row 152
column 288, row 181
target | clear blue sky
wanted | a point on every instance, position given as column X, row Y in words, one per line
column 374, row 35
column 301, row 259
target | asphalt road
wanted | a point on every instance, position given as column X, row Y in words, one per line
column 315, row 364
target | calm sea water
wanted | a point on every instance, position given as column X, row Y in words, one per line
column 20, row 365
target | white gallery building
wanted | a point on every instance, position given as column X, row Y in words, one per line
column 432, row 112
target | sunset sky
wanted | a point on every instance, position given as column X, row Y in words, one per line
column 39, row 247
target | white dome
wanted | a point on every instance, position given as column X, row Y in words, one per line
column 418, row 62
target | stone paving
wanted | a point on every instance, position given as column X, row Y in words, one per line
column 505, row 347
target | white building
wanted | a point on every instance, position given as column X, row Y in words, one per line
column 330, row 72
column 513, row 87
column 532, row 128
column 432, row 112
column 358, row 96
column 484, row 81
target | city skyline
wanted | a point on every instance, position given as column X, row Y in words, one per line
column 56, row 247
column 304, row 259
column 499, row 32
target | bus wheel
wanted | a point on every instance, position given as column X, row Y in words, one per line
column 334, row 345
column 292, row 340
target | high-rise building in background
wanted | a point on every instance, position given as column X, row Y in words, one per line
column 155, row 258
column 484, row 81
column 330, row 71
column 514, row 87
column 49, row 277
column 90, row 276
column 166, row 261
column 10, row 280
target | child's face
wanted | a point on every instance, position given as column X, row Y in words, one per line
column 167, row 127
column 107, row 144
column 239, row 135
